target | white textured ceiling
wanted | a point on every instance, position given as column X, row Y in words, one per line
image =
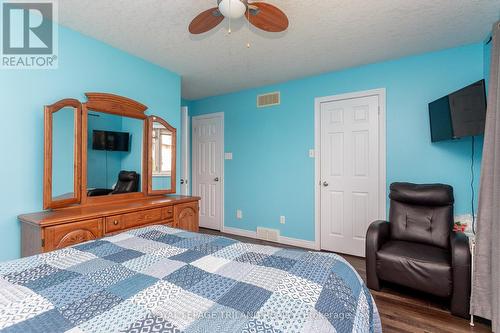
column 324, row 35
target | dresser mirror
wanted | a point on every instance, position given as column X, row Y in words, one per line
column 114, row 154
column 162, row 156
column 105, row 150
column 62, row 154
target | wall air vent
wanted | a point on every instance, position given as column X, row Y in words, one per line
column 268, row 234
column 267, row 100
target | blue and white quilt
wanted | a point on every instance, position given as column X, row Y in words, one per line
column 159, row 279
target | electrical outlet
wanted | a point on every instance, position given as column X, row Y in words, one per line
column 311, row 153
column 282, row 219
column 239, row 214
column 228, row 156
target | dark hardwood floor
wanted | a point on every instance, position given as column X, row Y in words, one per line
column 402, row 311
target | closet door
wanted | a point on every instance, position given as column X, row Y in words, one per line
column 350, row 177
column 208, row 168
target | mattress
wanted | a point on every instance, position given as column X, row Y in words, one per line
column 160, row 279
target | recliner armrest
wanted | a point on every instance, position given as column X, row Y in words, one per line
column 461, row 266
column 378, row 233
column 460, row 250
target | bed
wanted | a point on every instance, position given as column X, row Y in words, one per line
column 160, row 279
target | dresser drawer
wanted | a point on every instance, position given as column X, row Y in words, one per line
column 113, row 224
column 167, row 212
column 118, row 223
column 60, row 236
column 141, row 218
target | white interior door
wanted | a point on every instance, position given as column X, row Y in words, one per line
column 185, row 183
column 208, row 177
column 349, row 172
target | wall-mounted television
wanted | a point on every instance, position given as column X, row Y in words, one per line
column 111, row 141
column 459, row 114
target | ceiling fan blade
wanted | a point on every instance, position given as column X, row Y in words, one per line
column 206, row 21
column 267, row 17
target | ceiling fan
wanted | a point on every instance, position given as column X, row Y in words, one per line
column 261, row 14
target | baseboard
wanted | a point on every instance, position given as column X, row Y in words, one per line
column 239, row 232
column 281, row 240
column 298, row 242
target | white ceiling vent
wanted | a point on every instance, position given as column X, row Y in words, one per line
column 270, row 99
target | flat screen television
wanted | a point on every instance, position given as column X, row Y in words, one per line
column 111, row 141
column 460, row 114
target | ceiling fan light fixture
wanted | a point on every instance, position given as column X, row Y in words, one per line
column 233, row 9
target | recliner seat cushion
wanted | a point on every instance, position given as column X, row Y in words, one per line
column 419, row 266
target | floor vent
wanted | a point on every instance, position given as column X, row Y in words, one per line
column 267, row 100
column 268, row 234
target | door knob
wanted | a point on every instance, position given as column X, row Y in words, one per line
column 216, row 179
column 325, row 184
column 182, row 181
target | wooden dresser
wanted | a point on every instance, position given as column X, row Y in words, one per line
column 56, row 229
column 142, row 195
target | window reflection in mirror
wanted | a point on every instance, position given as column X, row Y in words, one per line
column 114, row 154
column 161, row 153
column 63, row 153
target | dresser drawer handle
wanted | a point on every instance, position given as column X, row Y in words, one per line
column 115, row 222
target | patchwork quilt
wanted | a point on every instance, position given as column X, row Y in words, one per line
column 159, row 279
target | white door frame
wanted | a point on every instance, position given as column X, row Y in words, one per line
column 381, row 93
column 222, row 179
column 185, row 151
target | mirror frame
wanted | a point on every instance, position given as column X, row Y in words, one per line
column 111, row 104
column 121, row 106
column 49, row 110
column 173, row 180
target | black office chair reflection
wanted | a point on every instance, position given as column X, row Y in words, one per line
column 128, row 182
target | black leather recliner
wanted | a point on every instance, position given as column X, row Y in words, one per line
column 417, row 248
column 128, row 181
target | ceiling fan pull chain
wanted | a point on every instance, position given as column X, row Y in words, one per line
column 229, row 31
column 248, row 28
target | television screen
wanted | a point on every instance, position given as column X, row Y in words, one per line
column 99, row 140
column 460, row 114
column 111, row 141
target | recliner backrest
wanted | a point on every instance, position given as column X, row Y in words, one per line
column 128, row 181
column 421, row 213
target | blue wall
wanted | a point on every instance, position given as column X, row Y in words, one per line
column 84, row 65
column 101, row 160
column 487, row 59
column 161, row 183
column 132, row 160
column 271, row 174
